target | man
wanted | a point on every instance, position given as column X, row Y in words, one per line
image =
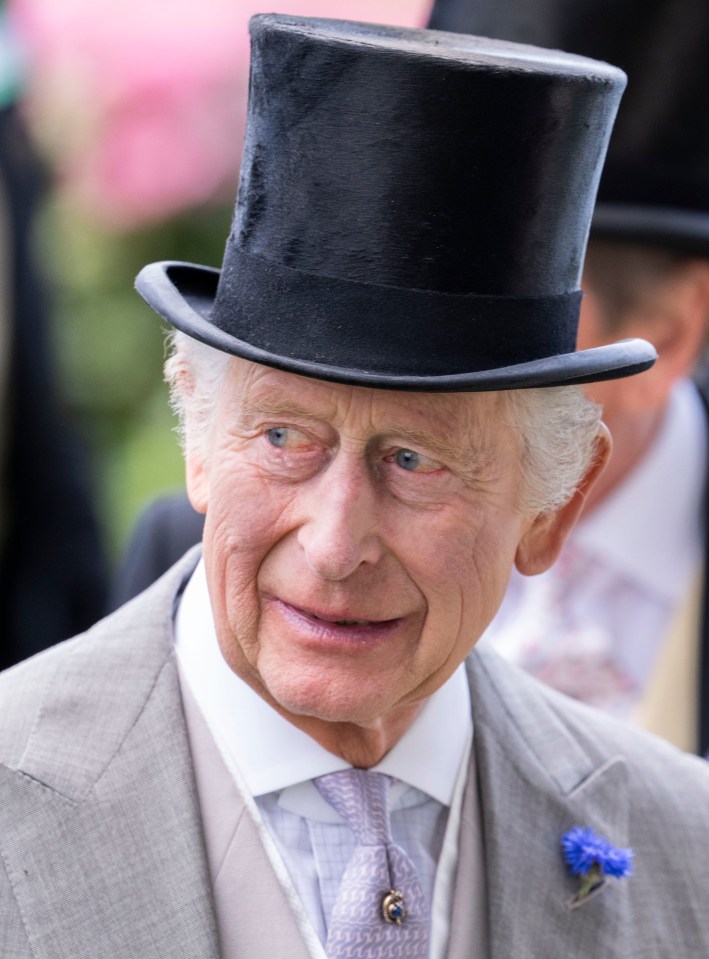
column 278, row 751
column 620, row 622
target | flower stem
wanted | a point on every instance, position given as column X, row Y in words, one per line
column 592, row 879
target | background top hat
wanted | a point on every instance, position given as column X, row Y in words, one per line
column 412, row 213
column 655, row 184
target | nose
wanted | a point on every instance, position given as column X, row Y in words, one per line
column 339, row 533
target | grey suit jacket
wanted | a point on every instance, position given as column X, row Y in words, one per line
column 101, row 843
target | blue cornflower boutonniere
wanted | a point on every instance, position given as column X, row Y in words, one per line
column 593, row 858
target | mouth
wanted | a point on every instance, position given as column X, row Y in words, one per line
column 336, row 625
column 342, row 622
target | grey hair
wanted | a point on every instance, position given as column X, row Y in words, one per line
column 558, row 425
column 559, row 430
column 194, row 372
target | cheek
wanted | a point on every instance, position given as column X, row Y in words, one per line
column 452, row 575
column 443, row 564
column 245, row 521
column 472, row 564
column 245, row 511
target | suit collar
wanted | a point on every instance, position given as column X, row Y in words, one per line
column 84, row 713
column 537, row 781
column 99, row 765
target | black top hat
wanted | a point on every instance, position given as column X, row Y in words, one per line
column 412, row 213
column 655, row 185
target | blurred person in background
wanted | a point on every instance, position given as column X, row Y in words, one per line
column 165, row 529
column 53, row 577
column 621, row 620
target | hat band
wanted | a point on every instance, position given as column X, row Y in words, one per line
column 386, row 330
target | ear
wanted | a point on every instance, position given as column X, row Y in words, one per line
column 675, row 320
column 179, row 373
column 544, row 538
column 197, row 481
column 677, row 330
column 682, row 330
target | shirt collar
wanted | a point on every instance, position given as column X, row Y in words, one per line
column 648, row 528
column 281, row 755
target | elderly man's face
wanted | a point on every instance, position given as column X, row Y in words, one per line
column 357, row 541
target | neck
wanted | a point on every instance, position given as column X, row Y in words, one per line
column 361, row 743
column 361, row 746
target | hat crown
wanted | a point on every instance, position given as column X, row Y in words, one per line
column 421, row 160
column 412, row 212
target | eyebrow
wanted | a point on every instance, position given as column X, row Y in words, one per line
column 275, row 406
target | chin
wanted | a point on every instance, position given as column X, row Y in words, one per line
column 325, row 701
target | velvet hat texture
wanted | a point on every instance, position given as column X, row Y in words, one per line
column 412, row 213
column 655, row 184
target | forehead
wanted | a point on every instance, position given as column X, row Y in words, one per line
column 252, row 389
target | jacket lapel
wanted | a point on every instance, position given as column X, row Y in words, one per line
column 537, row 782
column 140, row 886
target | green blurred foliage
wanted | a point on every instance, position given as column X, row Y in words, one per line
column 110, row 348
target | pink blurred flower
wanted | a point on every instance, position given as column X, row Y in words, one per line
column 166, row 147
column 141, row 103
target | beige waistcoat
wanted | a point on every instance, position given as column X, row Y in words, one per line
column 255, row 914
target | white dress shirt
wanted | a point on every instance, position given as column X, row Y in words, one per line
column 275, row 763
column 593, row 624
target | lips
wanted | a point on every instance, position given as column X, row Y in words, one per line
column 342, row 620
column 334, row 620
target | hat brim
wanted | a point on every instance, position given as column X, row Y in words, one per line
column 183, row 294
column 683, row 231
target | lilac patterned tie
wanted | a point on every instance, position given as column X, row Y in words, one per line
column 381, row 911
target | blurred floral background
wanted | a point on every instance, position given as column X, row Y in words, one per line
column 137, row 109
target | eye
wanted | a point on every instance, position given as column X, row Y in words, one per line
column 290, row 454
column 290, row 440
column 278, row 436
column 415, row 462
column 407, row 459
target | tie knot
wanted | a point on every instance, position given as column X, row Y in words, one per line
column 361, row 798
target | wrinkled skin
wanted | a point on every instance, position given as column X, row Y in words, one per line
column 357, row 543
